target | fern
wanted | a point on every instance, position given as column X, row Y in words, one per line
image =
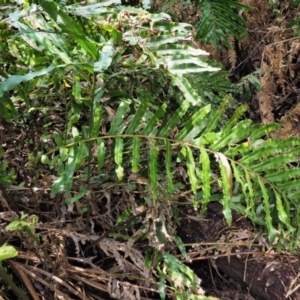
column 218, row 19
column 260, row 167
column 114, row 74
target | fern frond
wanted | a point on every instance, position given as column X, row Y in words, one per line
column 218, row 19
column 159, row 120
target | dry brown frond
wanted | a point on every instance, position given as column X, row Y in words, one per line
column 232, row 56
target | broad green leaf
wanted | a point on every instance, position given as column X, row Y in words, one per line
column 100, row 153
column 64, row 182
column 235, row 135
column 163, row 24
column 193, row 126
column 227, row 185
column 58, row 140
column 274, row 162
column 282, row 213
column 249, row 197
column 286, row 143
column 187, row 90
column 14, row 80
column 81, row 194
column 179, row 272
column 161, row 232
column 69, row 26
column 214, row 117
column 144, row 98
column 155, row 41
column 75, row 134
column 260, row 130
column 51, row 48
column 73, row 120
column 294, row 196
column 272, row 233
column 179, row 113
column 168, row 158
column 149, row 129
column 105, row 57
column 191, row 169
column 93, row 9
column 283, row 175
column 81, row 154
column 180, row 246
column 179, row 49
column 45, row 159
column 162, row 285
column 7, row 252
column 63, row 153
column 289, row 186
column 119, row 157
column 97, row 114
column 118, row 126
column 85, row 133
column 263, row 151
column 76, row 90
column 205, row 177
column 7, row 108
column 136, row 154
column 236, row 116
column 181, row 65
column 153, row 168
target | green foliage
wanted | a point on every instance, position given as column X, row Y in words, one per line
column 248, row 86
column 147, row 49
column 7, row 252
column 295, row 22
column 218, row 19
column 295, row 3
column 7, row 173
column 26, row 223
column 125, row 81
column 184, row 281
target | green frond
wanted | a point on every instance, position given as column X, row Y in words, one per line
column 170, row 184
column 267, row 209
column 119, row 146
column 118, row 125
column 239, row 112
column 282, row 211
column 144, row 98
column 153, row 169
column 238, row 133
column 191, row 169
column 136, row 154
column 218, row 19
column 150, row 127
column 226, row 185
column 194, row 126
column 100, row 153
column 131, row 74
column 205, row 175
column 177, row 116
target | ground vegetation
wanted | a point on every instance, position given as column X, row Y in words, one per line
column 138, row 138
